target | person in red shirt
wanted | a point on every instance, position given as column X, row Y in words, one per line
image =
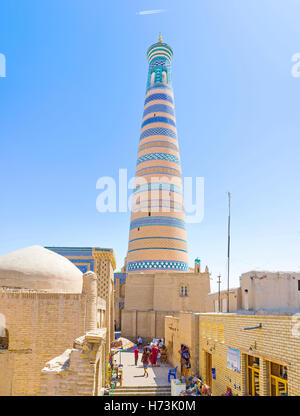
column 136, row 355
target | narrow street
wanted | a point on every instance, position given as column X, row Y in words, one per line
column 134, row 381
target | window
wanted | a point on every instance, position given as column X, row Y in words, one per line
column 183, row 291
column 298, row 284
column 164, row 77
column 152, row 78
column 278, row 380
column 4, row 339
column 149, row 214
column 253, row 375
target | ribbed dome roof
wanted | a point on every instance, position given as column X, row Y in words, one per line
column 37, row 268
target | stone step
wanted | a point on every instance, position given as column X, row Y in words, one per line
column 142, row 387
column 141, row 390
column 142, row 393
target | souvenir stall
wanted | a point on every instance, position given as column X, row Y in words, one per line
column 177, row 387
column 115, row 370
column 196, row 388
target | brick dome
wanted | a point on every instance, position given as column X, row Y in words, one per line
column 37, row 268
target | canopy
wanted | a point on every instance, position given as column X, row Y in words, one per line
column 122, row 343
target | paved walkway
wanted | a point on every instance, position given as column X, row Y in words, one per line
column 134, row 375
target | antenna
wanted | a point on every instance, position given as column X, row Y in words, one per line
column 228, row 251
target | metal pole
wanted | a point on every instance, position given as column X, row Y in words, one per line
column 228, row 252
column 219, row 298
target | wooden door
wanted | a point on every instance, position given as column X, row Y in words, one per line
column 208, row 369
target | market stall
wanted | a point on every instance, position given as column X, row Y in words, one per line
column 115, row 369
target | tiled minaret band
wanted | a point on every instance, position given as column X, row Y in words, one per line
column 157, row 238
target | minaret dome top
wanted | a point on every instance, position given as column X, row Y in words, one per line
column 159, row 50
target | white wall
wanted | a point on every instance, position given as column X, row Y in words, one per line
column 271, row 290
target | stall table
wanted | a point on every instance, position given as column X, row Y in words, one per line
column 177, row 387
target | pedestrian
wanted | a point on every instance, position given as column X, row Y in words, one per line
column 145, row 361
column 154, row 353
column 111, row 363
column 136, row 355
column 139, row 342
column 228, row 392
column 164, row 354
column 158, row 359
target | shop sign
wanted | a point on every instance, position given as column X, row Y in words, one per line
column 233, row 360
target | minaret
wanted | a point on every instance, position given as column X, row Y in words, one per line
column 157, row 237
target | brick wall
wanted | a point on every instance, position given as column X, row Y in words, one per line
column 273, row 342
column 40, row 326
column 182, row 328
column 78, row 371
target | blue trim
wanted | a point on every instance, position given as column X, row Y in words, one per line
column 157, row 265
column 158, row 186
column 157, row 221
column 158, row 156
column 159, row 96
column 159, row 61
column 158, row 119
column 159, row 108
column 161, row 238
column 70, row 251
column 120, row 276
column 158, row 131
column 86, row 261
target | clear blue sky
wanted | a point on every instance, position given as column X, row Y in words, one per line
column 71, row 109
